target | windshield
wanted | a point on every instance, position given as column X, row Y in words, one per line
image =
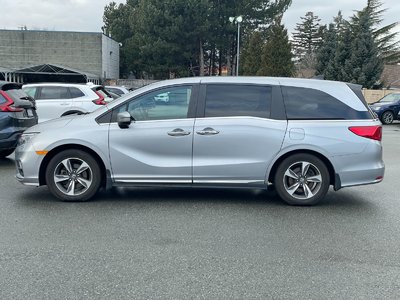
column 390, row 98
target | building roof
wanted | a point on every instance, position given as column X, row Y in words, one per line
column 59, row 31
column 50, row 69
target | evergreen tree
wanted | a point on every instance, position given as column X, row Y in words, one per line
column 306, row 39
column 326, row 54
column 277, row 53
column 252, row 53
column 385, row 37
column 343, row 53
column 160, row 37
column 365, row 60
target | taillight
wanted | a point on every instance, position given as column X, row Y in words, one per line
column 99, row 101
column 369, row 132
column 8, row 106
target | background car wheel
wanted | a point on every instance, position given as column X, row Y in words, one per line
column 387, row 117
column 73, row 175
column 5, row 153
column 302, row 179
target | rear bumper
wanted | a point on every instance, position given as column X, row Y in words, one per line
column 363, row 168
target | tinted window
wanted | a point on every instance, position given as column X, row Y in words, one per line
column 238, row 100
column 115, row 91
column 304, row 104
column 170, row 103
column 75, row 92
column 54, row 92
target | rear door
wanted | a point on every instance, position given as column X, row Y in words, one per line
column 52, row 102
column 236, row 139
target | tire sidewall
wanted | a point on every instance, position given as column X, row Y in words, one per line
column 96, row 174
column 279, row 185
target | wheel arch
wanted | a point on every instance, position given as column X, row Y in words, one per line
column 71, row 112
column 334, row 178
column 105, row 174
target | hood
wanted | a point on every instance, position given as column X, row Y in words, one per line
column 51, row 124
column 377, row 104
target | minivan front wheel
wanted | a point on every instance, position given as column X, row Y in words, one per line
column 73, row 175
column 302, row 179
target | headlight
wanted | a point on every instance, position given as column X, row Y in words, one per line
column 26, row 137
column 376, row 108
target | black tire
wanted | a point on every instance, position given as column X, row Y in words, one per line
column 387, row 117
column 5, row 153
column 306, row 190
column 91, row 176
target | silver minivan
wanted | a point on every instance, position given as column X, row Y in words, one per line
column 299, row 136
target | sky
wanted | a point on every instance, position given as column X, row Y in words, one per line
column 86, row 15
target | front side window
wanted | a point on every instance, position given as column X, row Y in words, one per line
column 54, row 92
column 164, row 104
column 311, row 104
column 224, row 100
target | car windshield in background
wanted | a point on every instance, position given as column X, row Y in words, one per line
column 390, row 98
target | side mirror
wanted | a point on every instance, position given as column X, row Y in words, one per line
column 124, row 119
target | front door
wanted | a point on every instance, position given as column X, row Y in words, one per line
column 157, row 147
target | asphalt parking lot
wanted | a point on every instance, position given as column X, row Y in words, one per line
column 202, row 244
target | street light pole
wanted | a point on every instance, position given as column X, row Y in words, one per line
column 238, row 50
column 238, row 20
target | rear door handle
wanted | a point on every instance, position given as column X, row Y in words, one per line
column 178, row 132
column 208, row 131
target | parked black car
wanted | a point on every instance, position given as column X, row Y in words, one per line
column 17, row 113
column 388, row 108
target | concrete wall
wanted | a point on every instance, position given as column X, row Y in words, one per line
column 77, row 50
column 110, row 58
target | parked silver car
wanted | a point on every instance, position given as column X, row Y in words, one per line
column 299, row 135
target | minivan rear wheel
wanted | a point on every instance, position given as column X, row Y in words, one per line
column 73, row 175
column 302, row 179
column 387, row 117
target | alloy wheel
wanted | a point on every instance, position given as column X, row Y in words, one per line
column 387, row 117
column 302, row 180
column 73, row 176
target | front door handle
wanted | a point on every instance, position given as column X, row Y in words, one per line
column 64, row 104
column 178, row 132
column 208, row 131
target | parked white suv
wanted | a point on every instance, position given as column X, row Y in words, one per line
column 54, row 100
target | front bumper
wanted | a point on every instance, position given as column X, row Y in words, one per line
column 27, row 164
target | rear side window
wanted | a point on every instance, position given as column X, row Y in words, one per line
column 115, row 91
column 223, row 100
column 54, row 92
column 312, row 104
column 75, row 92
